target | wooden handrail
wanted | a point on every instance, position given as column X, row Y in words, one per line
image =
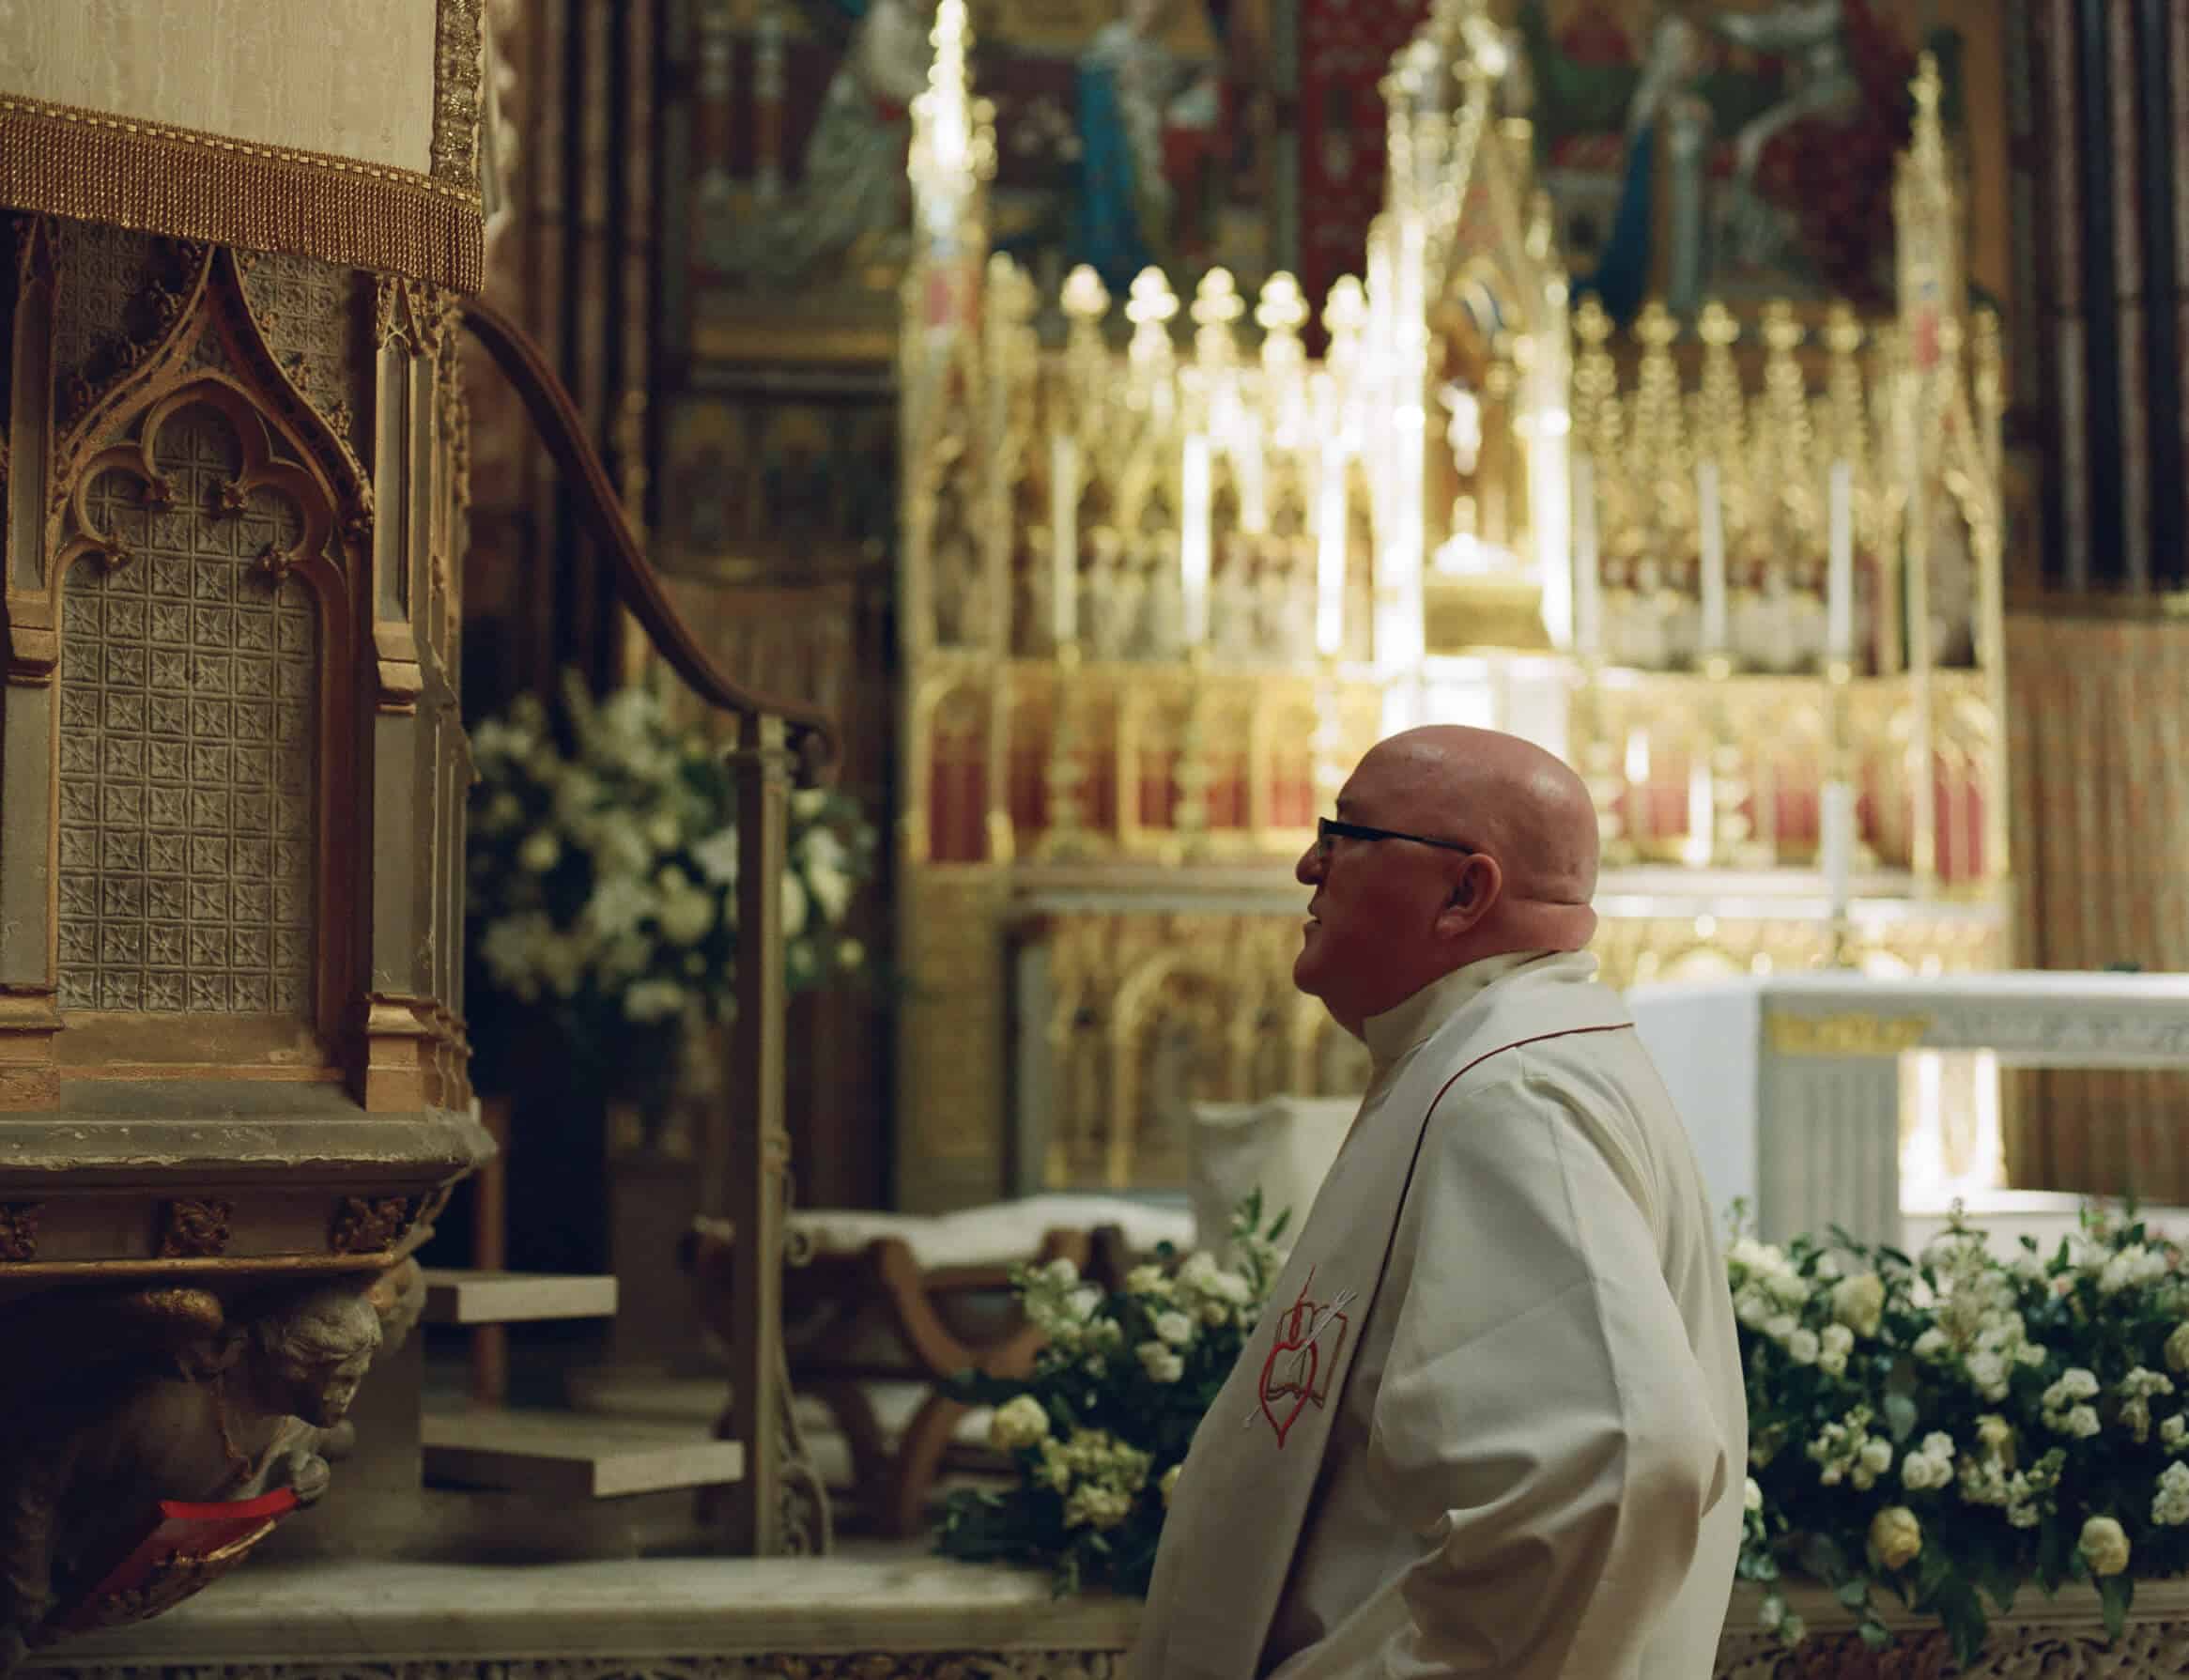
column 555, row 417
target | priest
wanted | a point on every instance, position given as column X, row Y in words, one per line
column 1491, row 1422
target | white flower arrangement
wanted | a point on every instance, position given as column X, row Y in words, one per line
column 1097, row 1434
column 1952, row 1425
column 603, row 875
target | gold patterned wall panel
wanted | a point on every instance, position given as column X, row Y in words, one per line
column 952, row 1037
column 2099, row 723
column 1149, row 1010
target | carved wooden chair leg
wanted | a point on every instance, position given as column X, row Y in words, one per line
column 919, row 1457
column 853, row 1412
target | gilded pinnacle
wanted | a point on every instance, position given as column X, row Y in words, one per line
column 1086, row 298
column 1152, row 301
column 1283, row 307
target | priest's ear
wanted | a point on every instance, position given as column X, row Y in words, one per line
column 1474, row 889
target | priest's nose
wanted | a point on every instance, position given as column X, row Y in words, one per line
column 1309, row 869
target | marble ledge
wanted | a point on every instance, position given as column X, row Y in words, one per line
column 339, row 1613
column 723, row 1619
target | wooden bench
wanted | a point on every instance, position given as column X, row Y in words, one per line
column 892, row 1297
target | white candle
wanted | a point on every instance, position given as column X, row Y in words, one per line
column 1840, row 567
column 1588, row 600
column 1194, row 538
column 1329, row 553
column 1713, row 557
column 1246, row 455
column 1835, row 836
column 1701, row 814
column 1064, row 527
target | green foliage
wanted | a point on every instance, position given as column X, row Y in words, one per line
column 1952, row 1427
column 603, row 875
column 1097, row 1433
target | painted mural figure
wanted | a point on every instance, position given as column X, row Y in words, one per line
column 854, row 198
column 1811, row 37
column 1724, row 150
column 1139, row 104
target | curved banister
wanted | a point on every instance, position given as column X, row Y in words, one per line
column 555, row 417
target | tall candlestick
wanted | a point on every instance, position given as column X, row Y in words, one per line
column 1064, row 536
column 1840, row 566
column 1588, row 600
column 1713, row 524
column 1836, row 841
column 1329, row 554
column 1196, row 537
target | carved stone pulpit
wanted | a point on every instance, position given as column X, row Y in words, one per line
column 232, row 1066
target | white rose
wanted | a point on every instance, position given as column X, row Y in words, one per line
column 1019, row 1422
column 662, row 830
column 1147, row 1280
column 1988, row 1373
column 1859, row 1303
column 1780, row 1326
column 540, row 851
column 716, row 856
column 1090, row 1505
column 2173, row 1430
column 1802, row 1347
column 850, row 954
column 2081, row 1422
column 1160, row 1362
column 687, row 917
column 1751, row 1497
column 1930, row 1344
column 1789, row 1286
column 2104, row 1545
column 618, row 847
column 654, row 1001
column 2177, row 1348
column 1896, row 1536
column 1062, row 1272
column 794, row 905
column 1838, row 1339
column 1174, row 1328
column 1877, row 1456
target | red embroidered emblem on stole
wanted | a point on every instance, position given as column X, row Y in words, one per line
column 1296, row 1375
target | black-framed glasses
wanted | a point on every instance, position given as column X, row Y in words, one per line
column 1328, row 828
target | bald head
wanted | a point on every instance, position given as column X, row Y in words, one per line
column 1452, row 844
column 1506, row 797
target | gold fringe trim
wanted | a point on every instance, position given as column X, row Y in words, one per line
column 61, row 161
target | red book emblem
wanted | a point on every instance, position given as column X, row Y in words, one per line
column 1304, row 1348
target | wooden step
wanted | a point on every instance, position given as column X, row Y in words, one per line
column 563, row 1455
column 454, row 1296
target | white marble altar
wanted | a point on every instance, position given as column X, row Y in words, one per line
column 1791, row 1085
